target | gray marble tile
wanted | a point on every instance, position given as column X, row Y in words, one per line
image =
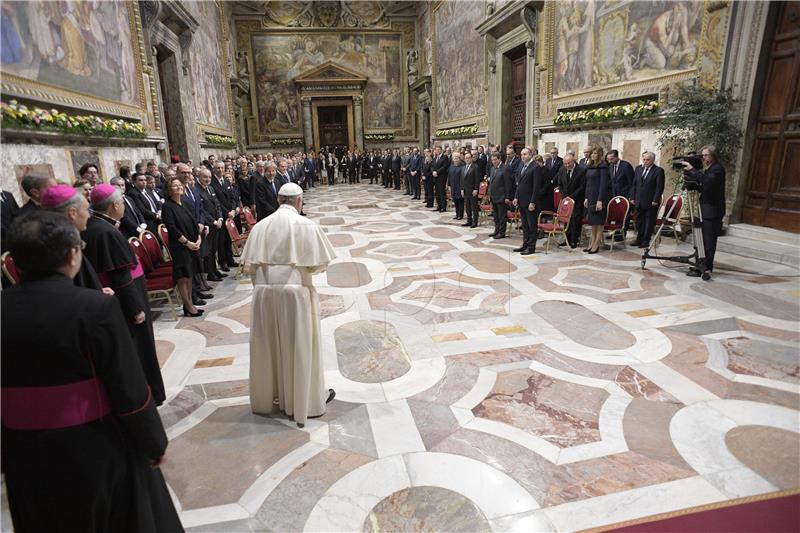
column 352, row 432
column 435, row 421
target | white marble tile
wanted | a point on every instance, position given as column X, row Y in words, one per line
column 394, row 429
column 632, row 504
column 740, row 482
column 675, row 383
column 523, row 438
column 480, row 390
column 191, row 420
column 215, row 374
column 424, row 374
column 346, row 504
column 492, row 491
column 213, row 515
column 531, row 522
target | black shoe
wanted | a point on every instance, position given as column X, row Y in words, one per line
column 220, row 274
column 528, row 252
column 586, row 249
column 331, row 395
column 460, row 218
column 187, row 313
column 205, row 295
column 562, row 244
column 520, row 249
column 644, row 245
column 467, row 223
column 213, row 277
column 492, row 235
column 499, row 236
column 198, row 301
column 593, row 251
column 573, row 246
column 225, row 268
column 474, row 226
column 455, row 218
column 636, row 243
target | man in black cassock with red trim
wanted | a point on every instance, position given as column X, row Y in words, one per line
column 82, row 440
column 118, row 268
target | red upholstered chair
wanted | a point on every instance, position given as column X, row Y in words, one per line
column 669, row 215
column 160, row 284
column 154, row 250
column 556, row 196
column 483, row 188
column 514, row 220
column 556, row 223
column 485, row 204
column 237, row 239
column 164, row 236
column 10, row 269
column 248, row 218
column 618, row 208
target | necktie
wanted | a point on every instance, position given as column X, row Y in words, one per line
column 614, row 172
column 133, row 210
column 152, row 204
column 467, row 170
column 274, row 190
column 191, row 194
column 569, row 176
column 644, row 176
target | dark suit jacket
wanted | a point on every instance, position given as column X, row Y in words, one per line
column 396, row 163
column 266, row 199
column 471, row 180
column 553, row 166
column 212, row 209
column 576, row 188
column 221, row 187
column 195, row 205
column 542, row 194
column 649, row 191
column 143, row 206
column 515, row 167
column 712, row 190
column 129, row 225
column 622, row 181
column 524, row 194
column 501, row 184
column 483, row 164
column 440, row 166
column 415, row 164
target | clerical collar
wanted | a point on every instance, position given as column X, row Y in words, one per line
column 287, row 206
column 114, row 222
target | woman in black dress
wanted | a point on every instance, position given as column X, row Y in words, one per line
column 184, row 243
column 427, row 178
column 597, row 196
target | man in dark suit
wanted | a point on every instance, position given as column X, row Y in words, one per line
column 621, row 177
column 372, row 167
column 397, row 165
column 482, row 160
column 34, row 187
column 572, row 183
column 553, row 165
column 414, row 173
column 513, row 163
column 585, row 159
column 310, row 169
column 501, row 192
column 132, row 222
column 214, row 217
column 523, row 199
column 646, row 192
column 470, row 183
column 223, row 190
column 144, row 204
column 439, row 168
column 266, row 193
column 386, row 169
column 712, row 202
column 352, row 168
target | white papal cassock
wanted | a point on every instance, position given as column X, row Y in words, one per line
column 282, row 252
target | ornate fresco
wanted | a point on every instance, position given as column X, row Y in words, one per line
column 458, row 62
column 278, row 58
column 605, row 43
column 209, row 67
column 325, row 14
column 73, row 52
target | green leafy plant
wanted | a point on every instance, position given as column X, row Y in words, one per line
column 286, row 142
column 379, row 136
column 222, row 140
column 697, row 116
column 19, row 116
column 633, row 110
column 459, row 131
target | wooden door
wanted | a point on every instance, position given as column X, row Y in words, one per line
column 333, row 126
column 518, row 96
column 772, row 196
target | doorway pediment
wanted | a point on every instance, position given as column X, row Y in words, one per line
column 330, row 74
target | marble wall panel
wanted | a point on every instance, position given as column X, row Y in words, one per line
column 645, row 136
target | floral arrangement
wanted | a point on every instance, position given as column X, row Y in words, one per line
column 286, row 142
column 460, row 131
column 16, row 115
column 632, row 110
column 222, row 140
column 379, row 136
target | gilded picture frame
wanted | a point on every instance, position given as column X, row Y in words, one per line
column 16, row 86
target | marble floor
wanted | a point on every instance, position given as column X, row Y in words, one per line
column 480, row 390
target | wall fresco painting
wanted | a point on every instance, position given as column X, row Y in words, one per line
column 81, row 46
column 279, row 58
column 607, row 42
column 459, row 61
column 209, row 68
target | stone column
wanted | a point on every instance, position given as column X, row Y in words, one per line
column 308, row 128
column 358, row 122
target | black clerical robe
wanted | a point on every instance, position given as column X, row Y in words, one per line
column 80, row 427
column 118, row 268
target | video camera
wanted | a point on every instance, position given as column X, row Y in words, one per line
column 697, row 163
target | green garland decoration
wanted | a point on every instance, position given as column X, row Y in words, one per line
column 19, row 116
column 638, row 109
column 460, row 131
column 286, row 142
column 222, row 140
column 379, row 137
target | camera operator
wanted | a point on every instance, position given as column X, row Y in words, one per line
column 711, row 182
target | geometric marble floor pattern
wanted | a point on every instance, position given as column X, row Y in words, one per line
column 479, row 390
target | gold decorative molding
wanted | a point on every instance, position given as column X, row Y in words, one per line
column 13, row 85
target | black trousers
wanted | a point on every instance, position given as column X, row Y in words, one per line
column 331, row 175
column 575, row 225
column 224, row 247
column 429, row 196
column 441, row 193
column 529, row 227
column 210, row 255
column 407, row 176
column 645, row 222
column 396, row 176
column 500, row 213
column 712, row 228
column 473, row 211
column 415, row 186
column 459, row 203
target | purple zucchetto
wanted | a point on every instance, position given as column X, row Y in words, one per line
column 102, row 192
column 58, row 195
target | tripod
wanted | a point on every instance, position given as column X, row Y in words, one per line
column 696, row 260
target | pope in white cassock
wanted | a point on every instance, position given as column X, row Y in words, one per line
column 281, row 254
